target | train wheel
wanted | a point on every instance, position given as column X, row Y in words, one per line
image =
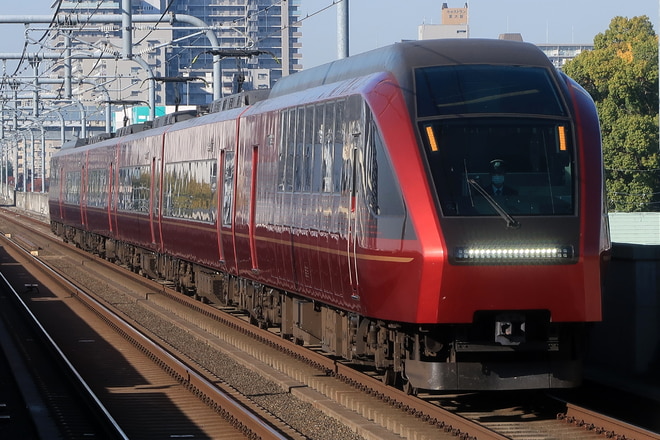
column 389, row 377
column 409, row 389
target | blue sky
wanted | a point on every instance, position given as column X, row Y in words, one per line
column 375, row 23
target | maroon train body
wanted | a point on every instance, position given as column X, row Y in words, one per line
column 352, row 206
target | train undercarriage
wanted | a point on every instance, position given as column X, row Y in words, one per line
column 499, row 350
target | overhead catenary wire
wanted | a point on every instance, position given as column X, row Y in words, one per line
column 167, row 8
column 54, row 27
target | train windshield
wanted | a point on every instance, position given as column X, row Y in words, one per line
column 498, row 141
column 458, row 90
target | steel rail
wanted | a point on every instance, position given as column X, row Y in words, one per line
column 434, row 415
column 112, row 427
column 222, row 402
column 610, row 427
column 425, row 411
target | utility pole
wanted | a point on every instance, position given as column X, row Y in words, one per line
column 342, row 29
column 286, row 41
column 127, row 29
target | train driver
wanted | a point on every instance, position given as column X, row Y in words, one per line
column 497, row 173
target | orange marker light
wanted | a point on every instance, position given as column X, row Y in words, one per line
column 561, row 132
column 431, row 136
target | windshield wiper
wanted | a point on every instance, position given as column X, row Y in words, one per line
column 510, row 221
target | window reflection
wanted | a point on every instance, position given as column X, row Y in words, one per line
column 312, row 153
column 190, row 190
column 227, row 188
column 332, row 156
column 72, row 187
column 133, row 190
column 97, row 188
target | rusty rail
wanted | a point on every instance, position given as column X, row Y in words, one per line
column 608, row 426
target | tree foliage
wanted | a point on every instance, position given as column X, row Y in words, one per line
column 621, row 74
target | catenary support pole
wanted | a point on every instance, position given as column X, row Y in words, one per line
column 342, row 29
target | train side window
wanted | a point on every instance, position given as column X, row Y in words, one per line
column 281, row 158
column 308, row 150
column 156, row 167
column 299, row 169
column 327, row 141
column 338, row 154
column 97, row 188
column 317, row 140
column 92, row 188
column 213, row 202
column 134, row 185
column 290, row 150
column 190, row 190
column 141, row 188
column 55, row 172
column 353, row 140
column 72, row 187
column 227, row 188
column 124, row 189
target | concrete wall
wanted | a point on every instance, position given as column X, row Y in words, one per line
column 33, row 202
column 627, row 341
column 29, row 201
column 7, row 194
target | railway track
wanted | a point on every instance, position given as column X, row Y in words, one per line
column 601, row 424
column 41, row 393
column 146, row 388
column 226, row 345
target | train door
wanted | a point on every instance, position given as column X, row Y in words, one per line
column 61, row 177
column 109, row 201
column 115, row 198
column 83, row 192
column 246, row 171
column 114, row 189
column 158, row 192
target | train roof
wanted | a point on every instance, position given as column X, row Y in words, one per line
column 401, row 58
column 398, row 59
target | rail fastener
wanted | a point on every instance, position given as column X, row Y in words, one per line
column 610, row 427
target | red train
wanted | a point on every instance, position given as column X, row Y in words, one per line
column 356, row 205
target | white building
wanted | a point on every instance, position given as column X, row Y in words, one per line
column 560, row 54
column 453, row 24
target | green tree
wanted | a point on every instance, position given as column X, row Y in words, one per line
column 621, row 74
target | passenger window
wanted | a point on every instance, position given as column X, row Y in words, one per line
column 317, row 140
column 227, row 188
column 327, row 146
column 308, row 149
column 338, row 147
column 190, row 190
